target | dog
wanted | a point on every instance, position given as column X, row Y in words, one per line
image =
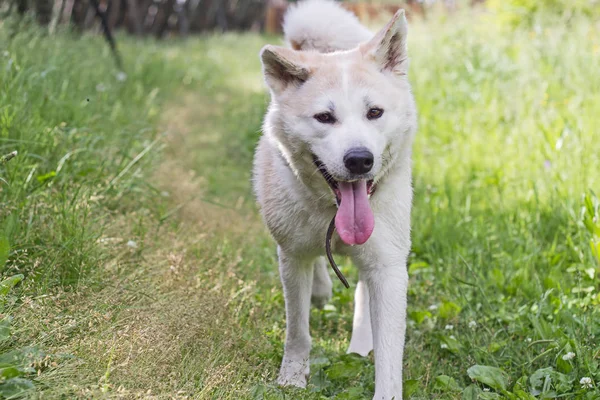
column 337, row 143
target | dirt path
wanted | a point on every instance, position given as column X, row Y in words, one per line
column 184, row 339
column 172, row 320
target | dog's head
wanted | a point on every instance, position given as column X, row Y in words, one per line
column 348, row 113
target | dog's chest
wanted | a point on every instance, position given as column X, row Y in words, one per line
column 301, row 228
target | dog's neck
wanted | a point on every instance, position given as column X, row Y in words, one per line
column 309, row 176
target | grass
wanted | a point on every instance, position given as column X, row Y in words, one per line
column 78, row 125
column 147, row 272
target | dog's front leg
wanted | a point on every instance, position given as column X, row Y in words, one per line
column 296, row 276
column 386, row 277
column 362, row 333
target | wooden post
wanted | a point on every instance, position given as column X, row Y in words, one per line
column 134, row 18
column 68, row 11
column 162, row 18
column 182, row 18
column 274, row 16
column 43, row 11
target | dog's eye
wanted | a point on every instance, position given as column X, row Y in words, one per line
column 374, row 113
column 325, row 118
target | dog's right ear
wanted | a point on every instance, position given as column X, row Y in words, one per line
column 283, row 67
column 388, row 47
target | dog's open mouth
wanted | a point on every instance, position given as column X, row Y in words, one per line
column 333, row 184
column 354, row 220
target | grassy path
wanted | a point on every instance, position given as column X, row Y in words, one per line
column 172, row 316
column 180, row 297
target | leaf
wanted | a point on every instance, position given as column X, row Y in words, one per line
column 521, row 383
column 16, row 387
column 520, row 389
column 9, row 283
column 449, row 310
column 471, row 393
column 10, row 225
column 496, row 346
column 266, row 392
column 545, row 379
column 319, row 362
column 498, row 277
column 446, row 383
column 589, row 205
column 538, row 378
column 45, row 177
column 5, row 329
column 450, row 344
column 419, row 316
column 491, row 376
column 489, row 396
column 595, row 246
column 522, row 395
column 318, row 380
column 348, row 368
column 4, row 250
column 21, row 357
column 588, row 222
column 563, row 365
column 5, row 287
column 410, row 387
column 416, row 266
column 9, row 372
column 354, row 393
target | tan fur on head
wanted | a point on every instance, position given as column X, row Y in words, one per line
column 296, row 45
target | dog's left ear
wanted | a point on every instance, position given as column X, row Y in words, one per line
column 388, row 48
column 283, row 68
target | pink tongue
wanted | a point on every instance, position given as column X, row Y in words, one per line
column 354, row 220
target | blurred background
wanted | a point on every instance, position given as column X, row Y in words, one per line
column 168, row 17
column 160, row 18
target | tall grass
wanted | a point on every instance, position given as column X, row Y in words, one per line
column 85, row 136
column 77, row 124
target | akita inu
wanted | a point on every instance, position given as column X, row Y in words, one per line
column 337, row 144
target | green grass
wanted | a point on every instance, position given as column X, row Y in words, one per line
column 506, row 231
column 77, row 125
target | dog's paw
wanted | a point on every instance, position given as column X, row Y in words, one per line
column 293, row 373
column 295, row 381
column 321, row 293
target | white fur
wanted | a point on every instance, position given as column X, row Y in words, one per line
column 297, row 204
column 324, row 26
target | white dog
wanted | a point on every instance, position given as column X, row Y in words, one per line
column 337, row 143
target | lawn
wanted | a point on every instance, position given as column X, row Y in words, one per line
column 145, row 272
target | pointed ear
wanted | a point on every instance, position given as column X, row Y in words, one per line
column 283, row 67
column 388, row 48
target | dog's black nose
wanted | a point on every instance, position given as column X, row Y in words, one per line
column 358, row 160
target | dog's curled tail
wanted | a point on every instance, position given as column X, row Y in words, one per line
column 324, row 26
